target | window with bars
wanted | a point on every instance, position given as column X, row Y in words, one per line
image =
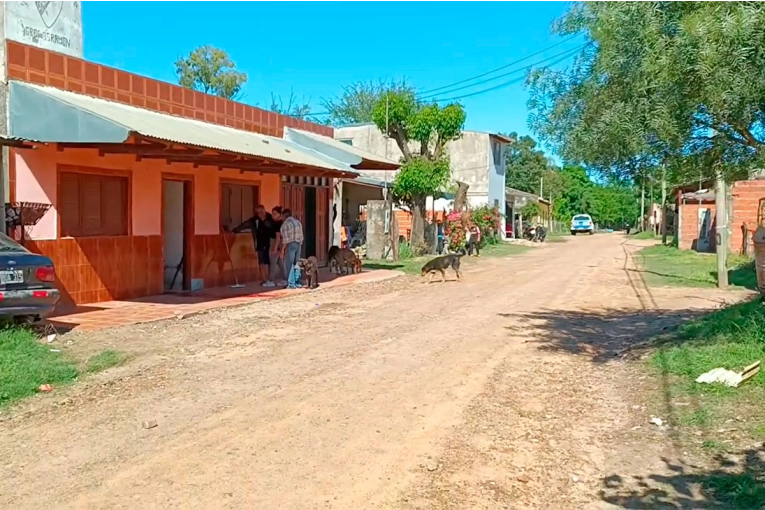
column 91, row 205
column 237, row 203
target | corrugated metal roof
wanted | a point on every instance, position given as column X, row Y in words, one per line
column 180, row 130
column 335, row 145
column 370, row 182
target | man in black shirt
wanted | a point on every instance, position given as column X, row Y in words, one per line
column 261, row 225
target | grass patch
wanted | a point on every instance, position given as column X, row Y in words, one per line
column 731, row 338
column 414, row 265
column 104, row 360
column 645, row 235
column 25, row 364
column 668, row 266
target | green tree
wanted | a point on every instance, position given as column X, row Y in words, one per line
column 355, row 104
column 660, row 86
column 526, row 164
column 210, row 70
column 421, row 131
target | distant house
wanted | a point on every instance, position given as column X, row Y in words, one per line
column 696, row 214
column 477, row 159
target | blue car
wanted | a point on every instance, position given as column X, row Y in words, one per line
column 582, row 224
column 28, row 290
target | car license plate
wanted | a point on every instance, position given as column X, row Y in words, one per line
column 13, row 276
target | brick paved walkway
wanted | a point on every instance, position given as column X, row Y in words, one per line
column 111, row 314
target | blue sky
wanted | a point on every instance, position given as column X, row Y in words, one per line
column 315, row 48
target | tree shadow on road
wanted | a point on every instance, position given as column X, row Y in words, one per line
column 733, row 482
column 600, row 335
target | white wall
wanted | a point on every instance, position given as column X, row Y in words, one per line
column 55, row 26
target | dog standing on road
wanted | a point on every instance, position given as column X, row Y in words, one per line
column 310, row 270
column 443, row 263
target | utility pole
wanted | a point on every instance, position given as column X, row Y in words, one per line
column 663, row 205
column 541, row 186
column 642, row 203
column 721, row 230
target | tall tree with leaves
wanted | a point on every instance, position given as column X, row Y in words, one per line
column 526, row 164
column 210, row 70
column 421, row 132
column 355, row 104
column 677, row 85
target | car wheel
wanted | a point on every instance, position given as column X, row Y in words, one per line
column 573, row 233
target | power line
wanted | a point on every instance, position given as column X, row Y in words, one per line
column 564, row 55
column 502, row 67
column 514, row 71
column 507, row 83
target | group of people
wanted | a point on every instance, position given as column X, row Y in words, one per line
column 278, row 236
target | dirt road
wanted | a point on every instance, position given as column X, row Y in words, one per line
column 501, row 391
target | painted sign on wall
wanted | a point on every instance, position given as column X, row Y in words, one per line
column 55, row 26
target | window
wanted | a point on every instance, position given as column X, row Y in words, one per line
column 498, row 153
column 237, row 203
column 92, row 205
column 346, row 141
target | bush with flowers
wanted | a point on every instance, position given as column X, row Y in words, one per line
column 454, row 231
column 486, row 218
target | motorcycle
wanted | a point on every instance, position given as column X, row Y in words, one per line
column 535, row 233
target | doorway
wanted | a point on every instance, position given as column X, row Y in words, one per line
column 309, row 226
column 176, row 224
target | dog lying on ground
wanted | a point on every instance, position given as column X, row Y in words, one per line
column 310, row 269
column 443, row 263
column 334, row 259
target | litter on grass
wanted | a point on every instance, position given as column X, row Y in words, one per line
column 729, row 377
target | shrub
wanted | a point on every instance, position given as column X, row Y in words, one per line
column 488, row 220
column 454, row 232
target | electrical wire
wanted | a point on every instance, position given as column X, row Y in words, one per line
column 570, row 54
column 500, row 68
column 514, row 71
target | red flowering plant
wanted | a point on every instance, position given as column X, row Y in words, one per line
column 488, row 221
column 454, row 231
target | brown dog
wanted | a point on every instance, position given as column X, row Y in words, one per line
column 310, row 269
column 347, row 260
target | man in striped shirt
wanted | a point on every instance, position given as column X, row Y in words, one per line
column 292, row 238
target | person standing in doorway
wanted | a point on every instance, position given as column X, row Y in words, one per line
column 292, row 238
column 274, row 256
column 261, row 226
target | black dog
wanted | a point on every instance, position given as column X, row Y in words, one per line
column 310, row 269
column 441, row 264
column 334, row 258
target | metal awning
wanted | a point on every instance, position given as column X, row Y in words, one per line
column 368, row 181
column 348, row 154
column 49, row 115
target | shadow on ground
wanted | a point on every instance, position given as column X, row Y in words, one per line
column 732, row 482
column 599, row 335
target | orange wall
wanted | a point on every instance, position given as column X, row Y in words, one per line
column 36, row 177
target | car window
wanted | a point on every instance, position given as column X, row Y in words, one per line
column 8, row 244
column 581, row 218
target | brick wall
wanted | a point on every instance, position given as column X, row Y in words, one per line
column 35, row 65
column 689, row 228
column 746, row 196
